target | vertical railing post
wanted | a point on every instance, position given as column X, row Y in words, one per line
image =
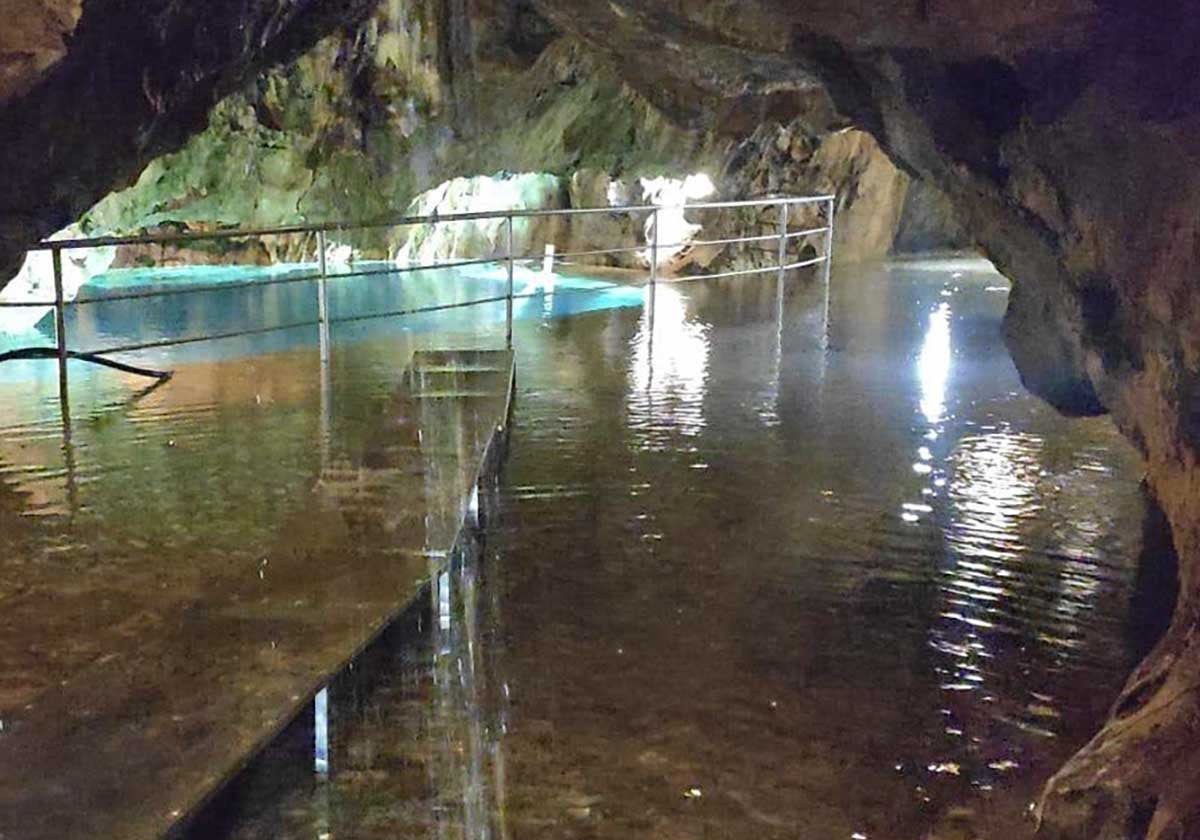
column 321, row 732
column 323, row 297
column 654, row 218
column 651, row 304
column 783, row 234
column 60, row 334
column 508, row 298
column 828, row 266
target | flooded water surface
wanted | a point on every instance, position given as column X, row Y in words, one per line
column 734, row 584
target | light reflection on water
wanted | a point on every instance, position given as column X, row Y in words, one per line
column 669, row 369
column 933, row 365
column 820, row 638
column 833, row 593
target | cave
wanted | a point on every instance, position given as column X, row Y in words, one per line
column 599, row 418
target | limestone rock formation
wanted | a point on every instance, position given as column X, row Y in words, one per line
column 33, row 39
column 373, row 116
column 136, row 81
column 488, row 238
column 930, row 223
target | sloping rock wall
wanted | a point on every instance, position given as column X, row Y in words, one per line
column 135, row 83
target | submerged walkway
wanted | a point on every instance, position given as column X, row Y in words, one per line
column 187, row 692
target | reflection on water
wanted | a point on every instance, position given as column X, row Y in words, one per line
column 669, row 368
column 738, row 586
column 933, row 365
column 799, row 594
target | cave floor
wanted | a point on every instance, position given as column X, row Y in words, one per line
column 737, row 586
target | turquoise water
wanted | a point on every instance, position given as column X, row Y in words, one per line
column 201, row 301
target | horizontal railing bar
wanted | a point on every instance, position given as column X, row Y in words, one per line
column 406, row 269
column 599, row 253
column 176, row 342
column 769, row 237
column 810, row 232
column 187, row 290
column 689, row 278
column 276, row 281
column 805, row 263
column 747, row 271
column 755, row 202
column 26, row 304
column 403, row 221
column 394, row 313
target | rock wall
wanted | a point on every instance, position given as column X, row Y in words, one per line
column 135, row 82
column 486, row 238
column 33, row 39
column 372, row 117
column 930, row 223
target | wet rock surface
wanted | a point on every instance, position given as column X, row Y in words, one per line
column 34, row 38
column 135, row 83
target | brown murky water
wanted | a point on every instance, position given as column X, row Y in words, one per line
column 737, row 587
column 753, row 590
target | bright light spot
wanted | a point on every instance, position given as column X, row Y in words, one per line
column 670, row 368
column 445, row 241
column 35, row 281
column 675, row 232
column 933, row 365
column 698, row 187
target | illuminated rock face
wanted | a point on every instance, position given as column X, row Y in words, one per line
column 487, row 238
column 389, row 113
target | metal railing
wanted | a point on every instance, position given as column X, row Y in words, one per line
column 321, row 274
